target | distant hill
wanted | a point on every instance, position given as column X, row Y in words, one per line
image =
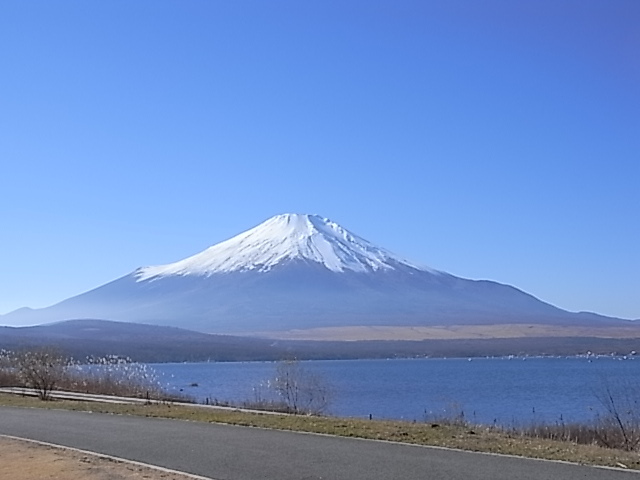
column 148, row 343
column 302, row 272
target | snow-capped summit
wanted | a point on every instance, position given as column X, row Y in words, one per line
column 301, row 272
column 284, row 238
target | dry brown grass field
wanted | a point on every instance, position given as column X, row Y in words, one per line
column 455, row 332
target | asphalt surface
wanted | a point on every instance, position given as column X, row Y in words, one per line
column 225, row 452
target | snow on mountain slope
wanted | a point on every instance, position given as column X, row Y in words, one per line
column 284, row 238
column 301, row 272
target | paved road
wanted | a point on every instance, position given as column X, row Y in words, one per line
column 225, row 452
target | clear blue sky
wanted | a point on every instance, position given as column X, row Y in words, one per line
column 494, row 139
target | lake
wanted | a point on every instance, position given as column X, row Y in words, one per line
column 505, row 391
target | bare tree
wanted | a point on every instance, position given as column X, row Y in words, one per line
column 302, row 391
column 8, row 374
column 41, row 369
column 619, row 427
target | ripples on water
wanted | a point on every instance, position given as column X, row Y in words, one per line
column 506, row 391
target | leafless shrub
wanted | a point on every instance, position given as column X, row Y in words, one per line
column 619, row 426
column 302, row 391
column 46, row 369
column 113, row 375
column 8, row 373
column 264, row 398
column 293, row 389
column 616, row 426
column 42, row 369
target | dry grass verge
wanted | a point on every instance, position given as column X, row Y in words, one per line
column 452, row 436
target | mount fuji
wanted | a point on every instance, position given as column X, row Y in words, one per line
column 302, row 272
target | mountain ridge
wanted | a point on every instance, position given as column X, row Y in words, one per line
column 298, row 271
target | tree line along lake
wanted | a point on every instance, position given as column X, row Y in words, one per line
column 506, row 391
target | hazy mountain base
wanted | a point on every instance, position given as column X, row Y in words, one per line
column 303, row 271
column 300, row 294
column 145, row 343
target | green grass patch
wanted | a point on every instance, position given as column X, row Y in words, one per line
column 477, row 439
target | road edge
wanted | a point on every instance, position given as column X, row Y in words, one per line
column 437, row 447
column 108, row 457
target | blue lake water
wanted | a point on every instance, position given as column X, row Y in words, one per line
column 501, row 390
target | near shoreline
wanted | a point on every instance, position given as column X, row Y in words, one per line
column 463, row 437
